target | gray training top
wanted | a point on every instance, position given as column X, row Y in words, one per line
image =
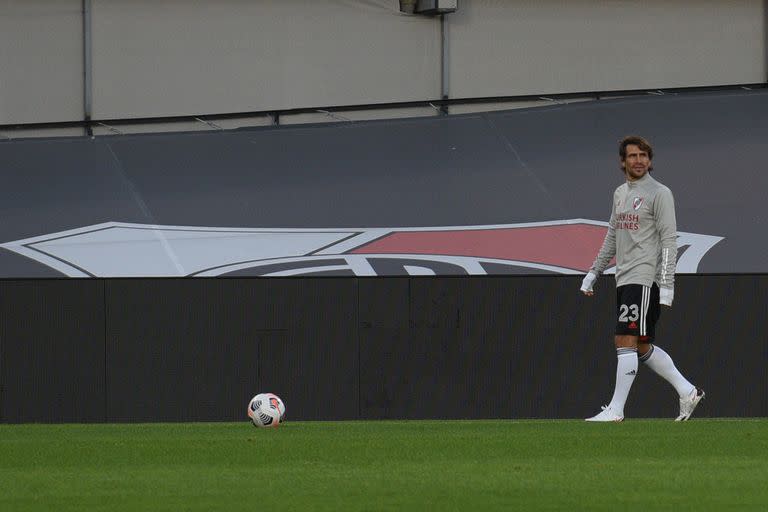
column 642, row 234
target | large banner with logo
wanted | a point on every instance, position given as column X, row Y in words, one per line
column 523, row 192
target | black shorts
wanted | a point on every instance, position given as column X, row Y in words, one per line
column 637, row 310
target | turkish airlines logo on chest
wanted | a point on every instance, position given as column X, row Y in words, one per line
column 116, row 249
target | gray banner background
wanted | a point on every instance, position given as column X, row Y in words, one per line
column 527, row 165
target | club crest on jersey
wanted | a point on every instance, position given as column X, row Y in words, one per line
column 637, row 202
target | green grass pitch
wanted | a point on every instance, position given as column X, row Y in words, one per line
column 387, row 465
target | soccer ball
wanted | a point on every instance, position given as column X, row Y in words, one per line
column 266, row 410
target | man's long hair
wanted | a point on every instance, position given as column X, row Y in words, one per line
column 638, row 141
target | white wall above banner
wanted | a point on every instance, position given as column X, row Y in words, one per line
column 159, row 59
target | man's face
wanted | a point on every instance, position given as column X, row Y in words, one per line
column 636, row 163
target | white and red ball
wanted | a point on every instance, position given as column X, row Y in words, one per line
column 266, row 410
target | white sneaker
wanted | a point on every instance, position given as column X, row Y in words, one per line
column 607, row 414
column 688, row 404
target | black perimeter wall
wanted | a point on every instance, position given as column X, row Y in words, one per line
column 129, row 350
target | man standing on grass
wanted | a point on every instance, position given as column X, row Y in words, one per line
column 642, row 235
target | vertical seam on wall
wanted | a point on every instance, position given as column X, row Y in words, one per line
column 2, row 381
column 444, row 60
column 359, row 331
column 106, row 344
column 87, row 65
column 410, row 303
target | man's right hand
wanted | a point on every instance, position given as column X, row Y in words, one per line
column 588, row 283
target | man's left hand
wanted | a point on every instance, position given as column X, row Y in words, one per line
column 666, row 296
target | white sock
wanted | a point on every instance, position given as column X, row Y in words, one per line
column 660, row 362
column 626, row 370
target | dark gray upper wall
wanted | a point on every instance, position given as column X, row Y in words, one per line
column 529, row 165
